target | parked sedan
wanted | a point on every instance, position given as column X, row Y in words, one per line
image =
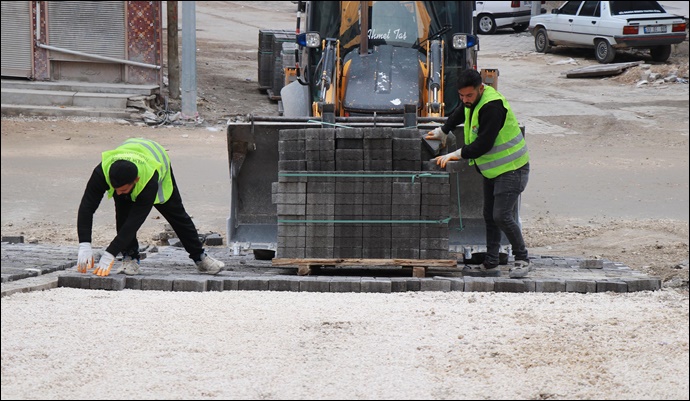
column 607, row 26
column 492, row 15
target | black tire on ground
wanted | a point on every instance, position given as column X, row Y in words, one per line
column 486, row 24
column 541, row 41
column 520, row 27
column 660, row 53
column 603, row 51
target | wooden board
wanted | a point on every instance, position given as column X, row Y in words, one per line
column 600, row 70
column 419, row 266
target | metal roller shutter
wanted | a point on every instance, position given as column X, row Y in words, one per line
column 87, row 26
column 16, row 39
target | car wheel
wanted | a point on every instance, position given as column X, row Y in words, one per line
column 520, row 28
column 603, row 51
column 660, row 53
column 541, row 41
column 486, row 24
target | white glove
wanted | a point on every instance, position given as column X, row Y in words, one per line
column 85, row 258
column 105, row 264
column 442, row 160
column 438, row 134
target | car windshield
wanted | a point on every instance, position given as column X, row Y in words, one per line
column 635, row 7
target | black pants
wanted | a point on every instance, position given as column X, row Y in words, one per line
column 501, row 195
column 173, row 211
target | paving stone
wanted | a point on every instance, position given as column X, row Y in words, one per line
column 214, row 239
column 581, row 286
column 191, row 284
column 284, row 283
column 13, row 239
column 75, row 280
column 613, row 286
column 114, row 282
column 315, row 284
column 509, row 285
column 345, row 284
column 548, row 285
column 231, row 283
column 479, row 284
column 215, row 284
column 414, row 284
column 157, row 284
column 381, row 285
column 456, row 283
column 133, row 282
column 430, row 284
column 253, row 284
column 643, row 284
column 398, row 284
column 592, row 264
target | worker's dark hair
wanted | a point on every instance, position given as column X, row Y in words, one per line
column 469, row 77
column 122, row 172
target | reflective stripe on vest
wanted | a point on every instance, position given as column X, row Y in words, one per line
column 158, row 153
column 149, row 157
column 510, row 149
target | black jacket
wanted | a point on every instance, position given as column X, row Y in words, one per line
column 93, row 194
column 492, row 116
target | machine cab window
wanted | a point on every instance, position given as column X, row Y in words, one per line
column 393, row 22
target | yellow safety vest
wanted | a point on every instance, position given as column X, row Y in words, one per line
column 510, row 149
column 149, row 157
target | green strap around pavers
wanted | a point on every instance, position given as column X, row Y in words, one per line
column 376, row 175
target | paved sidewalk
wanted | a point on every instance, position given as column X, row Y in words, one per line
column 30, row 267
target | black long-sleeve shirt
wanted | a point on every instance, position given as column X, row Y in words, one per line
column 93, row 194
column 492, row 117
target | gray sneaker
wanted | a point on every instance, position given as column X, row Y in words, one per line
column 520, row 269
column 209, row 265
column 129, row 266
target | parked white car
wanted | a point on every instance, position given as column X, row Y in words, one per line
column 607, row 26
column 492, row 15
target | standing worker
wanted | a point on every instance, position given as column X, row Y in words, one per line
column 495, row 145
column 138, row 175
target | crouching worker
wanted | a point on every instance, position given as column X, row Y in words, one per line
column 138, row 175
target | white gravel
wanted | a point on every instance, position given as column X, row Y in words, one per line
column 87, row 344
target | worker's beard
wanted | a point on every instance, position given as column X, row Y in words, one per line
column 473, row 104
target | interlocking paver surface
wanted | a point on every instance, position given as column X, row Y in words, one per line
column 28, row 267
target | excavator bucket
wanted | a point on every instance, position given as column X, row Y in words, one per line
column 255, row 165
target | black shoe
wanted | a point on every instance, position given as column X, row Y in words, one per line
column 488, row 266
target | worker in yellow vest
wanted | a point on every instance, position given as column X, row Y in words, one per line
column 494, row 144
column 139, row 176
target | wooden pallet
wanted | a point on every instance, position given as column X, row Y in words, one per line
column 419, row 266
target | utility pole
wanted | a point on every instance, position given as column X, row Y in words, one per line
column 536, row 8
column 173, row 57
column 189, row 110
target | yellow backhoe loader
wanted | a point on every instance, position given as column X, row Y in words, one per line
column 374, row 66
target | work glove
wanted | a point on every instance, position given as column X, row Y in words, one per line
column 105, row 264
column 443, row 160
column 85, row 258
column 438, row 134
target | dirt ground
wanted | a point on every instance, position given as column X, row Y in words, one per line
column 609, row 159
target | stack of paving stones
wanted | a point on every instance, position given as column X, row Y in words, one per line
column 349, row 193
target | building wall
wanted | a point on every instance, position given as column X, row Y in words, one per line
column 143, row 31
